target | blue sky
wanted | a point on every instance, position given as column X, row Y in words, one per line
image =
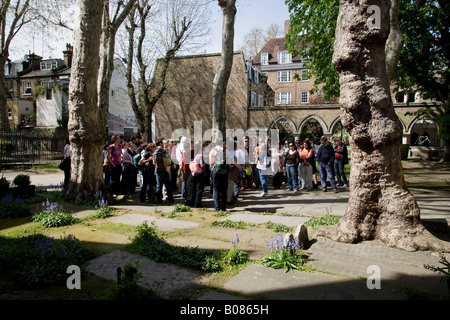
column 250, row 14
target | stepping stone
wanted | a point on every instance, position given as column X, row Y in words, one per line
column 136, row 219
column 259, row 219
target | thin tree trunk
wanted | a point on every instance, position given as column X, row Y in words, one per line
column 85, row 134
column 226, row 62
column 150, row 92
column 4, row 123
column 380, row 206
column 129, row 75
column 107, row 49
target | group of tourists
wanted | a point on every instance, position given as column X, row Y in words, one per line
column 163, row 168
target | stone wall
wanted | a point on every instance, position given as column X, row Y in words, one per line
column 188, row 97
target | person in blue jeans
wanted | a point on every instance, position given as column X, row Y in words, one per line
column 292, row 160
column 263, row 166
column 162, row 176
column 341, row 159
column 325, row 158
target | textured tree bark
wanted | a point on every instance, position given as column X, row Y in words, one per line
column 85, row 134
column 380, row 205
column 226, row 62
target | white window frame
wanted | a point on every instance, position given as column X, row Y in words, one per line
column 10, row 114
column 26, row 86
column 304, row 77
column 253, row 99
column 284, row 97
column 304, row 97
column 284, row 76
column 260, row 100
column 264, row 58
column 284, row 57
column 48, row 65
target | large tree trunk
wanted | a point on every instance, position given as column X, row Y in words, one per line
column 86, row 136
column 226, row 62
column 380, row 206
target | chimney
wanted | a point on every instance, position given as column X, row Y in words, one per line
column 68, row 55
column 287, row 24
column 34, row 61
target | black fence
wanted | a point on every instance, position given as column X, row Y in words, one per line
column 30, row 148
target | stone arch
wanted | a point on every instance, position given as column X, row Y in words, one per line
column 423, row 126
column 285, row 125
column 313, row 118
column 334, row 123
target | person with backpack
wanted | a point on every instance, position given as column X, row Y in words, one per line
column 198, row 172
column 162, row 176
column 219, row 168
column 146, row 169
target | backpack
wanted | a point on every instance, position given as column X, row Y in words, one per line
column 136, row 159
column 219, row 167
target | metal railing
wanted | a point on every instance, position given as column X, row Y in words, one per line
column 29, row 148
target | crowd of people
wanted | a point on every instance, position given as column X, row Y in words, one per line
column 223, row 168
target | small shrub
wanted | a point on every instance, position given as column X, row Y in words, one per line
column 235, row 256
column 284, row 256
column 326, row 220
column 181, row 208
column 37, row 260
column 229, row 224
column 150, row 243
column 211, row 264
column 22, row 180
column 53, row 215
column 444, row 270
column 4, row 186
column 126, row 287
column 277, row 227
column 103, row 211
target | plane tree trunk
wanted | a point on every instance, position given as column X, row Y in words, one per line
column 380, row 205
column 85, row 133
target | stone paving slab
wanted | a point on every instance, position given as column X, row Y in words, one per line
column 275, row 284
column 136, row 219
column 400, row 266
column 342, row 273
column 260, row 218
column 165, row 279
